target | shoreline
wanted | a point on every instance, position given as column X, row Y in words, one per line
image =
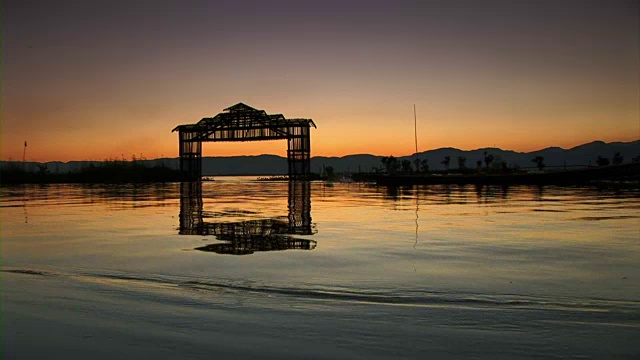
column 627, row 173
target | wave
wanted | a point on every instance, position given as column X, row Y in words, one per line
column 598, row 218
column 391, row 297
column 28, row 272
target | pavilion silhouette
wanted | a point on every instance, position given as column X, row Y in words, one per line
column 241, row 122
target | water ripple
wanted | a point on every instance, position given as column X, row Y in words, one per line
column 390, row 297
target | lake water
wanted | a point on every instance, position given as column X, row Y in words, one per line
column 237, row 268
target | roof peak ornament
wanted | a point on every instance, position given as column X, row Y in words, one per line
column 240, row 107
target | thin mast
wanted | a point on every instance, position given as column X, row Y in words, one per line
column 415, row 127
column 415, row 132
column 24, row 155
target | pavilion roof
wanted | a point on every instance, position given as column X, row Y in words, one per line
column 244, row 113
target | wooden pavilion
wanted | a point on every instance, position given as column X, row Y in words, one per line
column 241, row 122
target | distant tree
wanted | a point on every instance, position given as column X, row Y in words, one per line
column 488, row 159
column 539, row 160
column 602, row 161
column 479, row 164
column 462, row 161
column 42, row 169
column 636, row 159
column 446, row 162
column 424, row 165
column 406, row 166
column 497, row 163
column 617, row 159
column 329, row 172
column 385, row 162
column 390, row 164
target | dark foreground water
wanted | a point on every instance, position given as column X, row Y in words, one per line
column 237, row 268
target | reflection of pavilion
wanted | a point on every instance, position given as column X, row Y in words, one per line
column 246, row 237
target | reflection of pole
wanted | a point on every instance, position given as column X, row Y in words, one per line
column 415, row 244
column 417, row 208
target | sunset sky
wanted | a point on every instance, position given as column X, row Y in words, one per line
column 89, row 80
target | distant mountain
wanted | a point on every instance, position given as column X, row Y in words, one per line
column 241, row 165
column 579, row 156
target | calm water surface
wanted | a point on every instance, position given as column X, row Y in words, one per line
column 237, row 267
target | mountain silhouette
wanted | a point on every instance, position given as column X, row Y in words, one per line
column 580, row 156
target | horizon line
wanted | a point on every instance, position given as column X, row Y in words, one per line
column 142, row 158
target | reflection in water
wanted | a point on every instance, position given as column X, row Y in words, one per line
column 451, row 194
column 249, row 245
column 417, row 218
column 491, row 193
column 246, row 237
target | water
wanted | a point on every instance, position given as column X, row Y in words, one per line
column 240, row 268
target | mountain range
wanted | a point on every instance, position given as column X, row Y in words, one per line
column 579, row 156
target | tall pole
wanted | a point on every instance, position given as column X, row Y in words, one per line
column 24, row 155
column 415, row 126
column 415, row 132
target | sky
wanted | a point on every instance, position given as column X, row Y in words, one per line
column 95, row 80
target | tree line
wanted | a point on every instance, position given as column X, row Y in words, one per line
column 392, row 165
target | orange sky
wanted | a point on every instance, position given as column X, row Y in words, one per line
column 83, row 82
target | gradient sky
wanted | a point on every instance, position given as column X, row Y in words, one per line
column 89, row 80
